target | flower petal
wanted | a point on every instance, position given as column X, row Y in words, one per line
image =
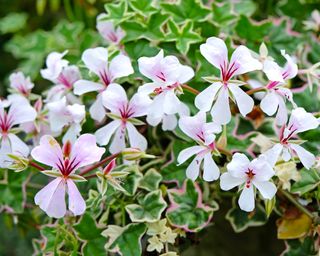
column 20, row 110
column 227, row 181
column 18, row 147
column 273, row 154
column 215, row 51
column 210, row 169
column 169, row 122
column 115, row 98
column 204, row 99
column 246, row 200
column 84, row 86
column 120, row 66
column 76, row 203
column 139, row 104
column 118, row 142
column 272, row 71
column 96, row 60
column 306, row 158
column 269, row 104
column 192, row 126
column 51, row 198
column 193, row 169
column 171, row 103
column 221, row 109
column 238, row 165
column 136, row 139
column 185, row 154
column 186, row 73
column 266, row 188
column 97, row 110
column 104, row 134
column 244, row 102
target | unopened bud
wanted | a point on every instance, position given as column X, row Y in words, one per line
column 18, row 163
column 269, row 205
column 111, row 165
column 132, row 154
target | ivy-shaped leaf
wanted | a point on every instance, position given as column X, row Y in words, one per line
column 128, row 243
column 13, row 22
column 186, row 10
column 143, row 7
column 223, row 14
column 241, row 220
column 88, row 230
column 149, row 209
column 187, row 210
column 117, row 12
column 151, row 180
column 183, row 36
column 298, row 247
column 132, row 180
column 310, row 179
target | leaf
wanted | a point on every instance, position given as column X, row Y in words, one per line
column 187, row 210
column 300, row 247
column 13, row 22
column 241, row 220
column 116, row 12
column 88, row 230
column 294, row 228
column 310, row 179
column 183, row 36
column 223, row 15
column 128, row 242
column 186, row 10
column 132, row 180
column 149, row 209
column 150, row 180
column 143, row 7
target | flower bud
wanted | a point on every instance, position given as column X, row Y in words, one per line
column 18, row 163
column 132, row 154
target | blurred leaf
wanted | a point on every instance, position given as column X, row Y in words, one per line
column 294, row 227
column 187, row 210
column 143, row 7
column 298, row 247
column 13, row 22
column 310, row 179
column 149, row 209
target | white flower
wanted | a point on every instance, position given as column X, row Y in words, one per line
column 96, row 60
column 62, row 115
column 124, row 112
column 108, row 31
column 256, row 173
column 55, row 64
column 277, row 94
column 215, row 51
column 20, row 111
column 300, row 121
column 167, row 75
column 203, row 133
column 21, row 84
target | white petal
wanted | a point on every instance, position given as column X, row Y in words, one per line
column 139, row 104
column 210, row 169
column 84, row 86
column 18, row 147
column 204, row 99
column 169, row 122
column 227, row 181
column 118, row 142
column 136, row 139
column 269, row 103
column 302, row 120
column 193, row 169
column 273, row 154
column 154, row 120
column 147, row 65
column 306, row 158
column 262, row 168
column 221, row 109
column 96, row 59
column 156, row 108
column 171, row 103
column 120, row 66
column 185, row 154
column 76, row 203
column 192, row 126
column 20, row 110
column 97, row 110
column 291, row 68
column 266, row 188
column 272, row 71
column 246, row 200
column 186, row 73
column 115, row 98
column 238, row 165
column 244, row 102
column 104, row 134
column 282, row 115
column 215, row 51
column 147, row 88
column 51, row 198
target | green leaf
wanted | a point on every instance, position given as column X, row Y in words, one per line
column 241, row 220
column 143, row 7
column 187, row 210
column 310, row 179
column 88, row 230
column 186, row 10
column 298, row 247
column 128, row 242
column 184, row 36
column 246, row 8
column 132, row 180
column 151, row 180
column 117, row 12
column 13, row 22
column 149, row 209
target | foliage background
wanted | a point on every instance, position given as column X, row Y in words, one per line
column 32, row 29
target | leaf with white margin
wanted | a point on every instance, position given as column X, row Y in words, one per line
column 150, row 180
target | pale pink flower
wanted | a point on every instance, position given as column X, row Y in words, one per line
column 216, row 52
column 20, row 84
column 242, row 172
column 62, row 115
column 275, row 98
column 300, row 121
column 203, row 133
column 55, row 64
column 108, row 31
column 124, row 113
column 167, row 75
column 19, row 112
column 96, row 60
column 64, row 163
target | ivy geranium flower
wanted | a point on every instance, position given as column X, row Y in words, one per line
column 203, row 133
column 124, row 113
column 277, row 94
column 249, row 175
column 216, row 52
column 300, row 121
column 62, row 75
column 108, row 31
column 96, row 60
column 64, row 163
column 61, row 115
column 20, row 84
column 19, row 111
column 167, row 75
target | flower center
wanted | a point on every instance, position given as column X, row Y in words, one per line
column 227, row 71
column 250, row 175
column 105, row 78
column 5, row 123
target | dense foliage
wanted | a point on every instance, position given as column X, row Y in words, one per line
column 134, row 131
